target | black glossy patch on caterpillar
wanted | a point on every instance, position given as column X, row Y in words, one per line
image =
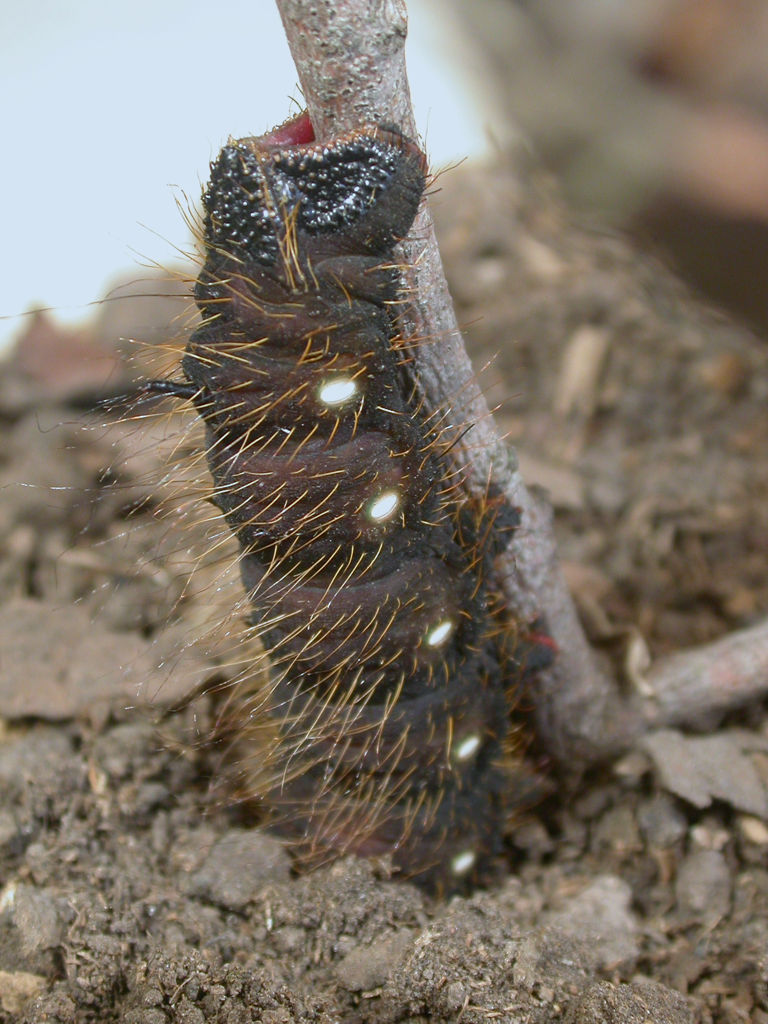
column 385, row 721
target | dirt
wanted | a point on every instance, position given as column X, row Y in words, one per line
column 131, row 892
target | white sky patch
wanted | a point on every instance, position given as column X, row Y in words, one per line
column 111, row 119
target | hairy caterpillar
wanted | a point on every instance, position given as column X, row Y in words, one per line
column 385, row 720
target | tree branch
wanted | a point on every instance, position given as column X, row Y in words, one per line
column 350, row 59
column 696, row 684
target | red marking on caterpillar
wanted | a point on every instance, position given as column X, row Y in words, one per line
column 383, row 726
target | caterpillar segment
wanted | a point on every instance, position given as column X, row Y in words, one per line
column 385, row 721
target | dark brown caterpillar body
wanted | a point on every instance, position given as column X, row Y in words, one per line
column 384, row 724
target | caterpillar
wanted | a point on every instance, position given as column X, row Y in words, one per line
column 385, row 722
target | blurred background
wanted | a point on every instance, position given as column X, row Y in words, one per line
column 651, row 115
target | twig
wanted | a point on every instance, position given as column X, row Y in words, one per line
column 705, row 681
column 351, row 63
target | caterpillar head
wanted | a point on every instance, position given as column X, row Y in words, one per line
column 358, row 192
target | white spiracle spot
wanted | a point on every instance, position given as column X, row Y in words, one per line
column 384, row 506
column 467, row 747
column 337, row 391
column 439, row 633
column 463, row 862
